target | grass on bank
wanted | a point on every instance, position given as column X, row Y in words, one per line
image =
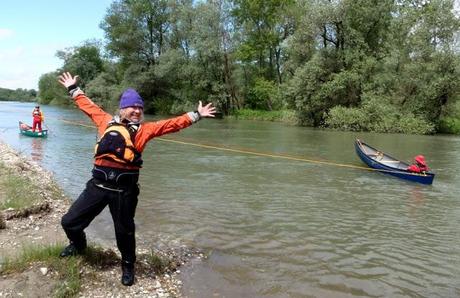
column 20, row 191
column 16, row 191
column 68, row 270
column 159, row 264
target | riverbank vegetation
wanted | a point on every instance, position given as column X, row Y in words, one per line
column 47, row 257
column 14, row 187
column 18, row 94
column 383, row 66
column 21, row 188
column 286, row 116
column 71, row 276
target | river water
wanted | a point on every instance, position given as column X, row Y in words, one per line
column 273, row 227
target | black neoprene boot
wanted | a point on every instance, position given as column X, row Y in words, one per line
column 77, row 244
column 72, row 250
column 127, row 276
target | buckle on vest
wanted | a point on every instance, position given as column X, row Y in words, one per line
column 112, row 175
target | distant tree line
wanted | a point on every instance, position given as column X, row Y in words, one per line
column 367, row 65
column 18, row 94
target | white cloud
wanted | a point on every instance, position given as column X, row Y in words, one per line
column 21, row 67
column 5, row 33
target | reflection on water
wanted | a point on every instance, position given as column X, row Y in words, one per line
column 416, row 197
column 37, row 149
column 280, row 228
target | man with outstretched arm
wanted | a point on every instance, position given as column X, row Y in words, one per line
column 117, row 161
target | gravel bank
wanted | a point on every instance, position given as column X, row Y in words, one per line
column 40, row 225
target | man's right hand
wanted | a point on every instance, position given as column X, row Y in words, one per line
column 67, row 80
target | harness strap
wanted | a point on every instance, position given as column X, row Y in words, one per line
column 115, row 176
column 108, row 188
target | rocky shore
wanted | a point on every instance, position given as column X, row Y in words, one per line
column 40, row 225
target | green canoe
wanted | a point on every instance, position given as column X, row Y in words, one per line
column 26, row 130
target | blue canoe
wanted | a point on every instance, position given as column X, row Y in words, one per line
column 384, row 163
column 27, row 130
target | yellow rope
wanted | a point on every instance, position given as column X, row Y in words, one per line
column 245, row 151
column 76, row 123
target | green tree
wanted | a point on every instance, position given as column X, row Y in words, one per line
column 50, row 91
column 428, row 65
column 18, row 94
column 265, row 25
column 213, row 54
column 350, row 64
column 378, row 48
column 86, row 61
column 137, row 31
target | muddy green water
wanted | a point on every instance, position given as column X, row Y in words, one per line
column 274, row 227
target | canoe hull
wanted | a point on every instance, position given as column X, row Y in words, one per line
column 26, row 130
column 399, row 168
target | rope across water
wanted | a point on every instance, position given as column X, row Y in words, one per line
column 271, row 155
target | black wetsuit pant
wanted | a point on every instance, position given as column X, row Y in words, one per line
column 122, row 201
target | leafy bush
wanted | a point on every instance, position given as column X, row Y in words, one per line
column 105, row 91
column 449, row 125
column 376, row 115
column 302, row 92
column 346, row 119
column 450, row 122
column 415, row 125
column 51, row 90
column 264, row 95
column 286, row 116
column 176, row 108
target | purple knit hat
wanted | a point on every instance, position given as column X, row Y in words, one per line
column 130, row 98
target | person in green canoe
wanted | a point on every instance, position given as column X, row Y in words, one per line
column 37, row 117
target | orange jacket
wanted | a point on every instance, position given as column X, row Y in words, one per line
column 146, row 132
column 37, row 115
column 417, row 168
